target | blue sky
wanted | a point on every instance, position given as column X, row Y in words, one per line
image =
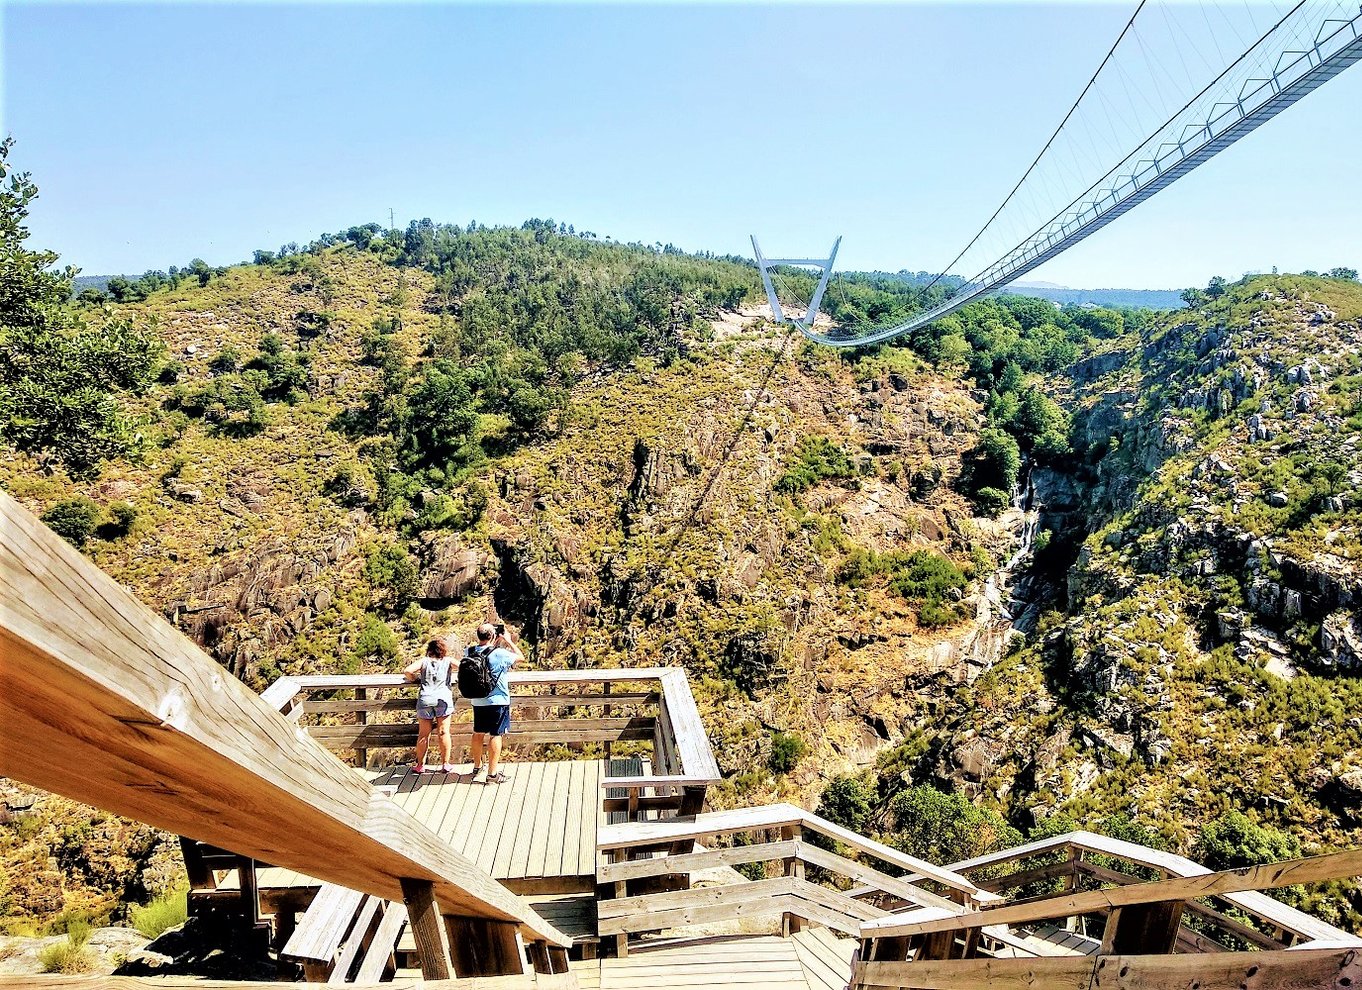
column 161, row 133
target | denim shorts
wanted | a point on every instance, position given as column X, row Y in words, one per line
column 494, row 720
column 440, row 709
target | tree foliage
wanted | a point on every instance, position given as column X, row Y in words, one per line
column 62, row 382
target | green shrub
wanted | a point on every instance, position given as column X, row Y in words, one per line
column 787, row 749
column 161, row 913
column 917, row 575
column 944, row 827
column 74, row 520
column 818, row 459
column 122, row 517
column 1234, row 840
column 847, row 801
column 991, row 501
column 392, row 575
column 375, row 640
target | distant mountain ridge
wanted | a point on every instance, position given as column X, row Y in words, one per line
column 1139, row 298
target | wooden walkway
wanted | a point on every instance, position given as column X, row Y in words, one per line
column 540, row 824
column 815, row 959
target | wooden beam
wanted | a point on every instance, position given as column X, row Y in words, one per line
column 1259, row 905
column 699, row 826
column 423, row 916
column 1281, row 970
column 1329, row 867
column 691, row 862
column 152, row 728
column 484, row 948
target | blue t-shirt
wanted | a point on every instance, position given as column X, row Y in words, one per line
column 500, row 660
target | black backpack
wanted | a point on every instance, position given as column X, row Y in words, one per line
column 475, row 673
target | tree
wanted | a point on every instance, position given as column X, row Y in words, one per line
column 61, row 380
column 847, row 802
column 440, row 418
column 1194, row 298
column 944, row 828
column 1340, row 272
column 1216, row 288
column 994, row 462
column 1234, row 840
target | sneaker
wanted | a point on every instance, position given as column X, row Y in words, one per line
column 497, row 778
column 448, row 768
column 419, row 768
column 479, row 772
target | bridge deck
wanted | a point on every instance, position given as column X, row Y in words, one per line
column 815, row 959
column 541, row 823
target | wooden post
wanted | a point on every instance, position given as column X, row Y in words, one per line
column 481, row 947
column 1142, row 929
column 426, row 929
column 622, row 939
column 605, row 689
column 362, row 753
column 200, row 876
column 558, row 958
column 250, row 893
column 791, row 924
column 538, row 951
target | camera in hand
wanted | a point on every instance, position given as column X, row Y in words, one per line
column 500, row 628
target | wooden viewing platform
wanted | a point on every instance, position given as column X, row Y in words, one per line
column 395, row 879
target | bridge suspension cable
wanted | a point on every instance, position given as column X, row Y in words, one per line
column 1313, row 42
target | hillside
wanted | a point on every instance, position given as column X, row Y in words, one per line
column 385, row 436
column 687, row 506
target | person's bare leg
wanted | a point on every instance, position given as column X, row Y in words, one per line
column 442, row 734
column 494, row 749
column 477, row 752
column 422, row 742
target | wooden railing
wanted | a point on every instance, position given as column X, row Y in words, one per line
column 930, row 948
column 1079, row 860
column 106, row 703
column 650, row 709
column 639, row 863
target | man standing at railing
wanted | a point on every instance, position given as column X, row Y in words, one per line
column 492, row 714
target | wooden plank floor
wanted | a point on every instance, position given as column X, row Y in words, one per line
column 540, row 823
column 753, row 962
column 825, row 956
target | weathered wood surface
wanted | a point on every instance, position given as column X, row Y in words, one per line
column 685, row 747
column 554, row 803
column 630, row 835
column 1268, row 908
column 825, row 958
column 1314, row 969
column 750, row 962
column 1328, row 867
column 528, row 981
column 151, row 728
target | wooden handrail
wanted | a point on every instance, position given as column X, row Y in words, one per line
column 150, row 727
column 1288, row 969
column 677, row 711
column 1259, row 905
column 1329, row 867
column 630, row 835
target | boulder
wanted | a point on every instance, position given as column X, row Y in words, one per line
column 1341, row 642
column 450, row 568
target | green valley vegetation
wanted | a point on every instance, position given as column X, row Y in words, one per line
column 315, row 461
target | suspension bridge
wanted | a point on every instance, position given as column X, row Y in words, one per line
column 1309, row 44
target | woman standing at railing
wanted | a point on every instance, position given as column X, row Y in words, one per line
column 434, row 673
